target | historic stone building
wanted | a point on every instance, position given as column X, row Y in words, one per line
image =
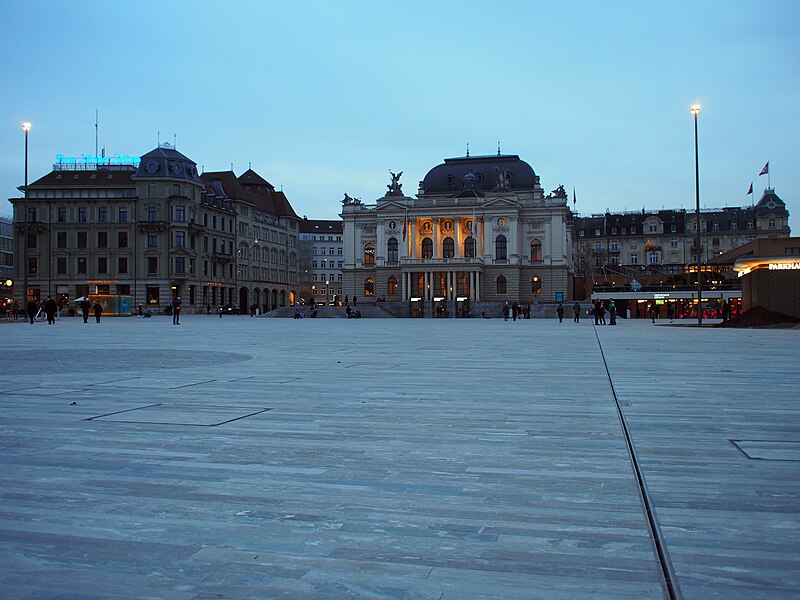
column 481, row 231
column 128, row 234
column 665, row 241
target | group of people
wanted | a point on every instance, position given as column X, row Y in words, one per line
column 598, row 310
column 49, row 308
column 515, row 311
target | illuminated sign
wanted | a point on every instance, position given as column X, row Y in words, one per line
column 91, row 159
column 783, row 266
column 658, row 296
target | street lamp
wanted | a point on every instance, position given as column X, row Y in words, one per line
column 695, row 111
column 26, row 127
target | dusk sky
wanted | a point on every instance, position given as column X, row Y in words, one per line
column 325, row 98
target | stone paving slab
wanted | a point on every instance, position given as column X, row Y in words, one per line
column 393, row 459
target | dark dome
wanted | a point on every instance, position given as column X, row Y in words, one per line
column 449, row 177
column 167, row 162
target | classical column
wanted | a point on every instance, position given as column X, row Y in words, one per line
column 477, row 286
column 457, row 237
column 412, row 225
column 435, row 237
column 403, row 285
column 472, row 285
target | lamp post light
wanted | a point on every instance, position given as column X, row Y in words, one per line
column 26, row 127
column 695, row 111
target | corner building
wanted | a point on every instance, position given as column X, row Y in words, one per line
column 480, row 232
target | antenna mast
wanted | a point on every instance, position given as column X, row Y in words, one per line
column 96, row 131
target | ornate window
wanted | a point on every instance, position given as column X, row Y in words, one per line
column 500, row 248
column 391, row 250
column 369, row 254
column 392, row 285
column 427, row 247
column 448, row 248
column 536, row 285
column 501, row 285
column 369, row 287
column 469, row 247
column 536, row 251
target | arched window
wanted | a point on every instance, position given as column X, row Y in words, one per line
column 243, row 251
column 469, row 247
column 448, row 248
column 536, row 285
column 292, row 259
column 283, row 262
column 501, row 285
column 391, row 250
column 274, row 256
column 500, row 248
column 283, row 297
column 392, row 285
column 369, row 287
column 427, row 247
column 369, row 254
column 536, row 251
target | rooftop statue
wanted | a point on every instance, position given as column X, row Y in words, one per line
column 503, row 179
column 395, row 188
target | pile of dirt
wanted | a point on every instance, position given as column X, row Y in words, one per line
column 759, row 317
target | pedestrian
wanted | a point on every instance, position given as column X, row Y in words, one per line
column 560, row 312
column 506, row 310
column 726, row 311
column 176, row 310
column 85, row 306
column 30, row 309
column 576, row 308
column 208, row 309
column 355, row 300
column 348, row 310
column 140, row 311
column 596, row 312
column 514, row 311
column 346, row 300
column 220, row 311
column 612, row 313
column 15, row 310
column 602, row 309
column 670, row 311
column 50, row 309
column 98, row 310
column 653, row 312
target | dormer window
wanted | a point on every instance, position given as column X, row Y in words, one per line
column 597, row 231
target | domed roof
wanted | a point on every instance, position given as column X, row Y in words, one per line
column 166, row 162
column 484, row 171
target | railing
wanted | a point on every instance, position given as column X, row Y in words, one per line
column 442, row 261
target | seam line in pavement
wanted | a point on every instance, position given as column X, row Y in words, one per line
column 667, row 571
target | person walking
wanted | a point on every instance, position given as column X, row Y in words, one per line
column 50, row 309
column 514, row 311
column 506, row 308
column 220, row 311
column 355, row 301
column 670, row 311
column 15, row 310
column 30, row 310
column 98, row 310
column 560, row 312
column 612, row 313
column 601, row 308
column 576, row 308
column 176, row 310
column 140, row 311
column 85, row 306
column 726, row 311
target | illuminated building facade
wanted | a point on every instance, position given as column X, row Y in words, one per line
column 480, row 232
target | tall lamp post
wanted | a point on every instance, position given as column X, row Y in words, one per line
column 695, row 110
column 26, row 127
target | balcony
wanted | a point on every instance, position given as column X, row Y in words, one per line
column 432, row 262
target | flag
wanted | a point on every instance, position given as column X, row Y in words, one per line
column 765, row 170
column 574, row 199
column 750, row 191
column 405, row 225
column 472, row 226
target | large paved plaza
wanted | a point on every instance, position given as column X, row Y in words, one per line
column 388, row 458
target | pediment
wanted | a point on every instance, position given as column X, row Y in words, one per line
column 501, row 202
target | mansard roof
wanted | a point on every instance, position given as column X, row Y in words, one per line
column 449, row 177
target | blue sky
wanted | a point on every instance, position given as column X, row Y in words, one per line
column 325, row 98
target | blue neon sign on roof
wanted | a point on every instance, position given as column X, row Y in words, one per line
column 92, row 159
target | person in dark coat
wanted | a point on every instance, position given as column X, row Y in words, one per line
column 612, row 313
column 176, row 310
column 98, row 310
column 560, row 312
column 50, row 309
column 85, row 306
column 31, row 309
column 577, row 310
